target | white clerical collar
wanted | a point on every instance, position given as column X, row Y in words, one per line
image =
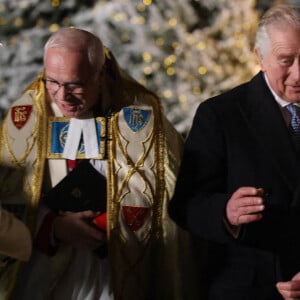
column 87, row 129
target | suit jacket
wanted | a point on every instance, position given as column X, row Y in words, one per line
column 240, row 139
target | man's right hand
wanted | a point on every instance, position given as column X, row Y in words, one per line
column 290, row 290
column 77, row 229
column 245, row 206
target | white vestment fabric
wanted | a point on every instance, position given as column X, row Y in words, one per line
column 86, row 276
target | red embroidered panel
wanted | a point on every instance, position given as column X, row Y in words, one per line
column 20, row 115
column 135, row 216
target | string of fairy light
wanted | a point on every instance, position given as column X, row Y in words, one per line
column 169, row 61
column 151, row 65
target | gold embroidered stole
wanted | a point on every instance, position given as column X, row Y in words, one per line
column 136, row 185
column 23, row 135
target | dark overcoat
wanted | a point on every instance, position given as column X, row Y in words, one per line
column 240, row 139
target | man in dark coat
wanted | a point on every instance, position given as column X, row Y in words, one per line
column 239, row 183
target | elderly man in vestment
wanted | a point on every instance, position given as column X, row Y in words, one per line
column 101, row 161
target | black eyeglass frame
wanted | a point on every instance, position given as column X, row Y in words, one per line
column 70, row 87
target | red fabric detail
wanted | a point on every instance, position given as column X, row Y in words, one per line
column 42, row 241
column 135, row 216
column 101, row 222
column 72, row 163
column 20, row 115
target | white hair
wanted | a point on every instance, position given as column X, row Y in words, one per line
column 75, row 39
column 276, row 17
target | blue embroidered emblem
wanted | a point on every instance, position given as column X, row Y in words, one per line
column 136, row 118
column 59, row 133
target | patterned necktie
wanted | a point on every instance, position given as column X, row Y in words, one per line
column 295, row 124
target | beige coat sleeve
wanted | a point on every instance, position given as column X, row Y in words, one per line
column 15, row 238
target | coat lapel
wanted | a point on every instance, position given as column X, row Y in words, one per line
column 268, row 126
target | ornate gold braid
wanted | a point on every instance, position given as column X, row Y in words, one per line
column 42, row 130
column 159, row 158
column 157, row 137
column 13, row 159
column 134, row 166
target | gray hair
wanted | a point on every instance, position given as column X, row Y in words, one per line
column 75, row 39
column 276, row 17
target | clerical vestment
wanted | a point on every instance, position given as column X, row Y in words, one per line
column 143, row 152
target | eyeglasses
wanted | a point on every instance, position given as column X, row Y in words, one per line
column 53, row 86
